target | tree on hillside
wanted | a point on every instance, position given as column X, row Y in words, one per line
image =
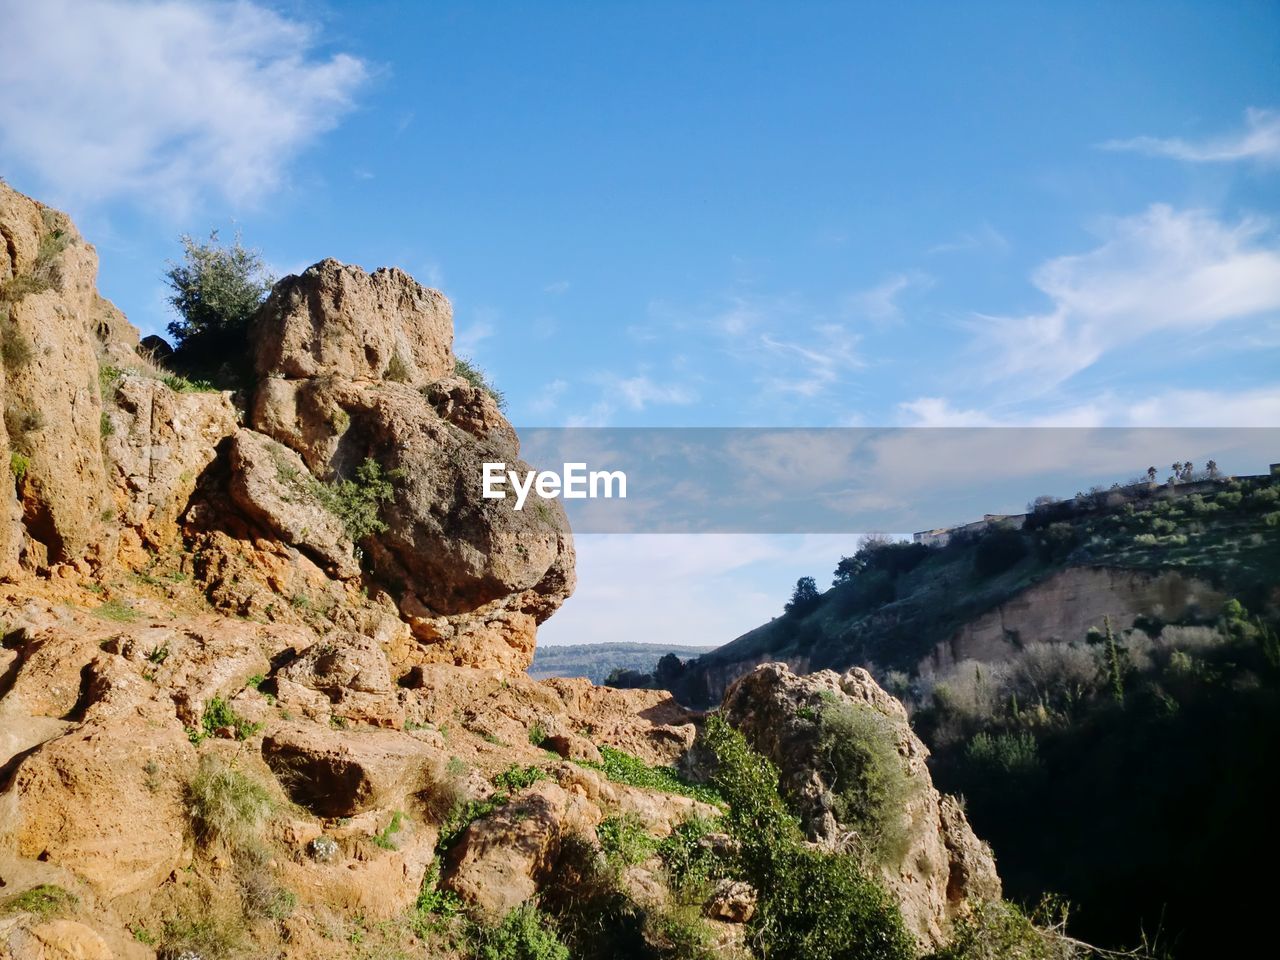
column 217, row 288
column 804, row 598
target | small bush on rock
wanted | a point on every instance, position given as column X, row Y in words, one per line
column 870, row 785
column 226, row 804
column 44, row 900
column 524, row 934
column 358, row 501
column 216, row 289
column 462, row 367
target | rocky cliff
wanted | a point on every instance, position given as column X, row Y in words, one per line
column 262, row 683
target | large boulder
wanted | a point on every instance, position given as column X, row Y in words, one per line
column 158, row 441
column 941, row 870
column 335, row 319
column 359, row 367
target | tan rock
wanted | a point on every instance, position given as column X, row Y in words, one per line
column 944, row 869
column 732, row 901
column 272, row 485
column 339, row 773
column 158, row 445
column 69, row 940
column 336, row 319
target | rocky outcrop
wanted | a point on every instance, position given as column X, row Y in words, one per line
column 358, row 367
column 157, row 444
column 53, row 328
column 943, row 869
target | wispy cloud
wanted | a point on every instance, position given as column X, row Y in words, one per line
column 1259, row 140
column 165, row 102
column 983, row 237
column 1174, row 407
column 1160, row 272
column 880, row 303
column 556, row 288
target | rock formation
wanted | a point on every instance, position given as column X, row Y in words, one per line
column 943, row 869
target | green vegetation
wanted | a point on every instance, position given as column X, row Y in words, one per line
column 42, row 275
column 464, row 368
column 358, row 501
column 118, row 611
column 216, row 289
column 209, row 936
column 622, row 767
column 45, row 900
column 19, row 464
column 516, row 778
column 813, row 905
column 227, row 805
column 1084, row 763
column 397, row 370
column 524, row 934
column 859, row 748
column 219, row 714
column 624, row 840
column 385, row 838
column 804, row 597
column 999, row 930
column 537, row 734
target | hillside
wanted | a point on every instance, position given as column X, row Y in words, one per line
column 913, row 610
column 596, row 661
column 1100, row 685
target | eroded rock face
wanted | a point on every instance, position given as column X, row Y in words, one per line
column 157, row 443
column 337, row 320
column 359, row 366
column 944, row 868
column 55, row 325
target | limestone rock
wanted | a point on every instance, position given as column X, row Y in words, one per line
column 54, row 325
column 158, row 444
column 336, row 319
column 502, row 860
column 944, row 869
column 341, row 773
column 270, row 483
column 732, row 901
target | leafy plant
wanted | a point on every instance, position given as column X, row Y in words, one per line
column 464, row 368
column 385, row 838
column 216, row 289
column 358, row 501
column 524, row 934
column 219, row 714
column 624, row 840
column 44, row 900
column 870, row 785
column 516, row 778
column 622, row 767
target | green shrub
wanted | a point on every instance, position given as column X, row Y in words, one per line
column 537, row 734
column 397, row 370
column 210, row 936
column 216, row 289
column 813, row 905
column 219, row 714
column 690, row 864
column 15, row 349
column 464, row 368
column 226, row 805
column 998, row 930
column 1010, row 753
column 524, row 934
column 358, row 501
column 624, row 840
column 870, row 785
column 117, row 611
column 435, row 908
column 516, row 778
column 622, row 767
column 44, row 900
column 19, row 464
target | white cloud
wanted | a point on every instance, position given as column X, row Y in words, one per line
column 1160, row 272
column 165, row 102
column 638, row 392
column 557, row 288
column 1257, row 407
column 1260, row 140
column 880, row 303
column 696, row 589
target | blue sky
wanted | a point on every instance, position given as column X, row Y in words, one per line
column 728, row 214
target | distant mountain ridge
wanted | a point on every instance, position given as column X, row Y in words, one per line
column 596, row 661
